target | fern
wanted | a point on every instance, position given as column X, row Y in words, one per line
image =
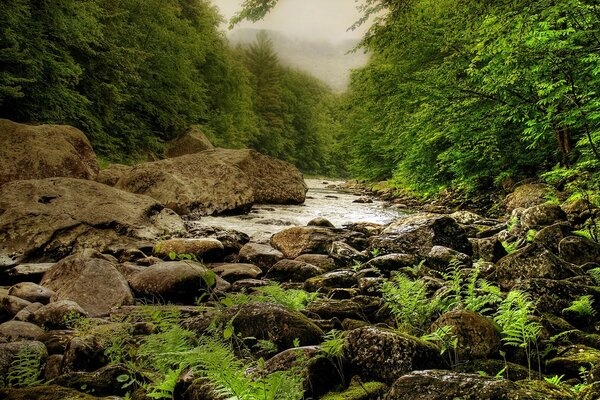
column 290, row 298
column 473, row 293
column 582, row 307
column 408, row 302
column 164, row 351
column 165, row 388
column 595, row 274
column 25, row 368
column 446, row 339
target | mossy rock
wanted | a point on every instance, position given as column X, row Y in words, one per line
column 359, row 391
column 571, row 359
column 50, row 392
column 590, row 392
column 491, row 367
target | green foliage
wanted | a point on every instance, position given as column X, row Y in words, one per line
column 514, row 318
column 554, row 380
column 408, row 302
column 595, row 274
column 469, row 292
column 583, row 307
column 511, row 247
column 25, row 369
column 447, row 341
column 294, row 299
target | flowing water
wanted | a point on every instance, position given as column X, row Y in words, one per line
column 322, row 200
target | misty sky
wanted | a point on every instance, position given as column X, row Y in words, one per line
column 311, row 19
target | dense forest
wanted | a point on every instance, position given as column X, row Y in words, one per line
column 133, row 74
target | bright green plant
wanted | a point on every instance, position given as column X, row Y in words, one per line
column 595, row 274
column 530, row 235
column 554, row 380
column 514, row 316
column 332, row 348
column 582, row 307
column 510, row 247
column 471, row 292
column 26, row 368
column 294, row 299
column 447, row 341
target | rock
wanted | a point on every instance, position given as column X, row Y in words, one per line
column 320, row 221
column 343, row 309
column 417, row 234
column 46, row 392
column 487, row 249
column 171, row 281
column 363, row 200
column 322, row 261
column 18, row 330
column 205, row 249
column 49, row 219
column 477, row 336
column 28, row 272
column 579, row 250
column 440, row 258
column 385, row 355
column 56, row 341
column 91, row 280
column 551, row 236
column 198, row 183
column 542, row 215
column 44, row 151
column 53, row 367
column 393, row 262
column 54, row 315
column 466, row 217
column 571, row 359
column 232, row 240
column 262, row 255
column 578, row 210
column 554, row 296
column 273, row 181
column 293, row 242
column 248, row 284
column 292, row 271
column 111, row 174
column 264, row 321
column 331, row 280
column 201, row 389
column 26, row 314
column 192, row 141
column 236, row 272
column 359, row 391
column 103, row 382
column 345, row 254
column 445, row 385
column 491, row 367
column 533, row 261
column 31, row 292
column 528, row 195
column 12, row 305
column 10, row 351
column 366, row 228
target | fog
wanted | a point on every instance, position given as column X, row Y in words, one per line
column 326, row 20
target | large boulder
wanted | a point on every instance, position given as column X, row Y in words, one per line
column 533, row 261
column 579, row 250
column 528, row 195
column 273, row 181
column 111, row 174
column 91, row 280
column 44, row 151
column 192, row 141
column 198, row 183
column 417, row 234
column 298, row 240
column 542, row 215
column 48, row 219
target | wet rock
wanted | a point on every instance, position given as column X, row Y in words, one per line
column 579, row 250
column 204, row 249
column 542, row 215
column 262, row 255
column 12, row 304
column 551, row 236
column 417, row 234
column 345, row 254
column 54, row 315
column 533, row 261
column 17, row 330
column 264, row 321
column 236, row 272
column 293, row 242
column 331, row 280
column 322, row 261
column 385, row 355
column 171, row 281
column 48, row 219
column 44, row 151
column 232, row 240
column 487, row 249
column 320, row 221
column 103, row 382
column 528, row 195
column 292, row 271
column 91, row 280
column 477, row 336
column 46, row 392
column 444, row 385
column 10, row 351
column 440, row 258
column 192, row 141
column 366, row 228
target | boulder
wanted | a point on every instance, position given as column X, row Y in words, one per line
column 273, row 181
column 385, row 355
column 91, row 280
column 12, row 304
column 192, row 141
column 554, row 296
column 18, row 330
column 542, row 215
column 393, row 262
column 111, row 174
column 477, row 336
column 205, row 249
column 320, row 221
column 293, row 242
column 533, row 261
column 579, row 250
column 10, row 351
column 445, row 385
column 571, row 359
column 44, row 151
column 198, row 183
column 48, row 219
column 322, row 261
column 28, row 272
column 262, row 255
column 55, row 315
column 528, row 195
column 103, row 382
column 46, row 392
column 232, row 240
column 417, row 234
column 292, row 271
column 440, row 258
column 487, row 249
column 31, row 292
column 236, row 272
column 171, row 281
column 360, row 308
column 345, row 254
column 551, row 236
column 331, row 280
column 26, row 314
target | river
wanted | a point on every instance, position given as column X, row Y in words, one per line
column 322, row 200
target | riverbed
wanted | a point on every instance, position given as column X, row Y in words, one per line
column 324, row 199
